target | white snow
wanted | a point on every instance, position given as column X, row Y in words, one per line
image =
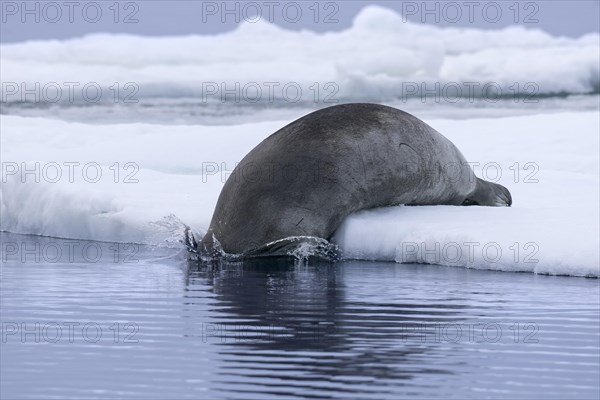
column 552, row 226
column 375, row 57
column 156, row 178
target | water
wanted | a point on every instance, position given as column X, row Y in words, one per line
column 192, row 111
column 158, row 327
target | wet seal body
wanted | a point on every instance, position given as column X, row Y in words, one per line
column 304, row 179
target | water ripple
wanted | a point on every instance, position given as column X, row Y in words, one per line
column 279, row 329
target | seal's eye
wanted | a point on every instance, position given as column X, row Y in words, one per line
column 469, row 202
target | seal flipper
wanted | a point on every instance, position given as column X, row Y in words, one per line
column 299, row 247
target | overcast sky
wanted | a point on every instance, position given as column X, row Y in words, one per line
column 69, row 18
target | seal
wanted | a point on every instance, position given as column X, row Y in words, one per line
column 299, row 184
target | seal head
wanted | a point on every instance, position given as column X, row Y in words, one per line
column 488, row 194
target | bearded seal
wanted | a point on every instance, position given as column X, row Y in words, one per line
column 299, row 183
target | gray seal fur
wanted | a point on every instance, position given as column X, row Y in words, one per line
column 304, row 179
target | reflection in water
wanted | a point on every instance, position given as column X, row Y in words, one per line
column 289, row 322
column 280, row 329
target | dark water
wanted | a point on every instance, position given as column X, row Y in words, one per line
column 111, row 321
column 193, row 110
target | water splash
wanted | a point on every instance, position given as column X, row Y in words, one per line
column 294, row 247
